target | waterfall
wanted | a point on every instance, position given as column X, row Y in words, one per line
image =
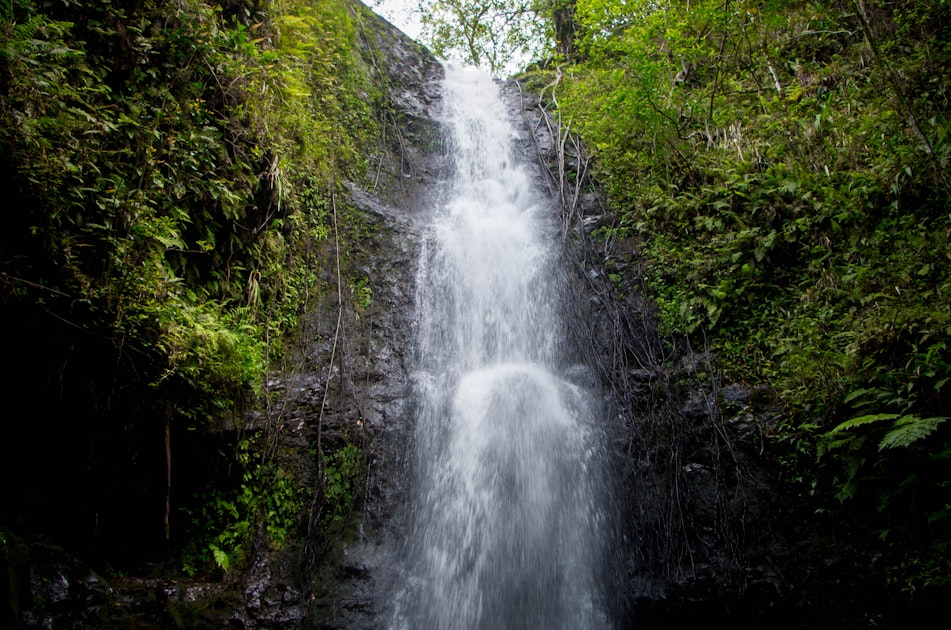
column 508, row 519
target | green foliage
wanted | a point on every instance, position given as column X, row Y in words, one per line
column 266, row 502
column 170, row 165
column 904, row 430
column 344, row 471
column 863, row 420
column 784, row 174
column 179, row 193
column 362, row 293
column 909, row 429
column 494, row 34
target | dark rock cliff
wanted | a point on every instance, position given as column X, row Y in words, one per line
column 371, row 395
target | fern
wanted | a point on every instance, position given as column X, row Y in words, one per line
column 221, row 558
column 855, row 394
column 26, row 31
column 863, row 420
column 908, row 430
column 905, row 430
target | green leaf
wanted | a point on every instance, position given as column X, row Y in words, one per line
column 170, row 240
column 909, row 430
column 221, row 558
column 855, row 394
column 862, row 420
column 941, row 514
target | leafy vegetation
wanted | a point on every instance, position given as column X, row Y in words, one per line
column 477, row 32
column 224, row 526
column 783, row 169
column 169, row 166
column 499, row 34
column 343, row 476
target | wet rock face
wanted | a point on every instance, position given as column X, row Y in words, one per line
column 68, row 591
column 367, row 400
column 63, row 592
column 412, row 165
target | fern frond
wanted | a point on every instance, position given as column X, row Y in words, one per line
column 908, row 430
column 26, row 31
column 855, row 394
column 862, row 420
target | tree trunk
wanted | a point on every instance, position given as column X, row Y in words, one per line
column 563, row 16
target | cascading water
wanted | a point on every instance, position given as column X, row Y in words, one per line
column 508, row 520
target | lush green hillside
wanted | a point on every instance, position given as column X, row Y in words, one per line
column 168, row 170
column 783, row 170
